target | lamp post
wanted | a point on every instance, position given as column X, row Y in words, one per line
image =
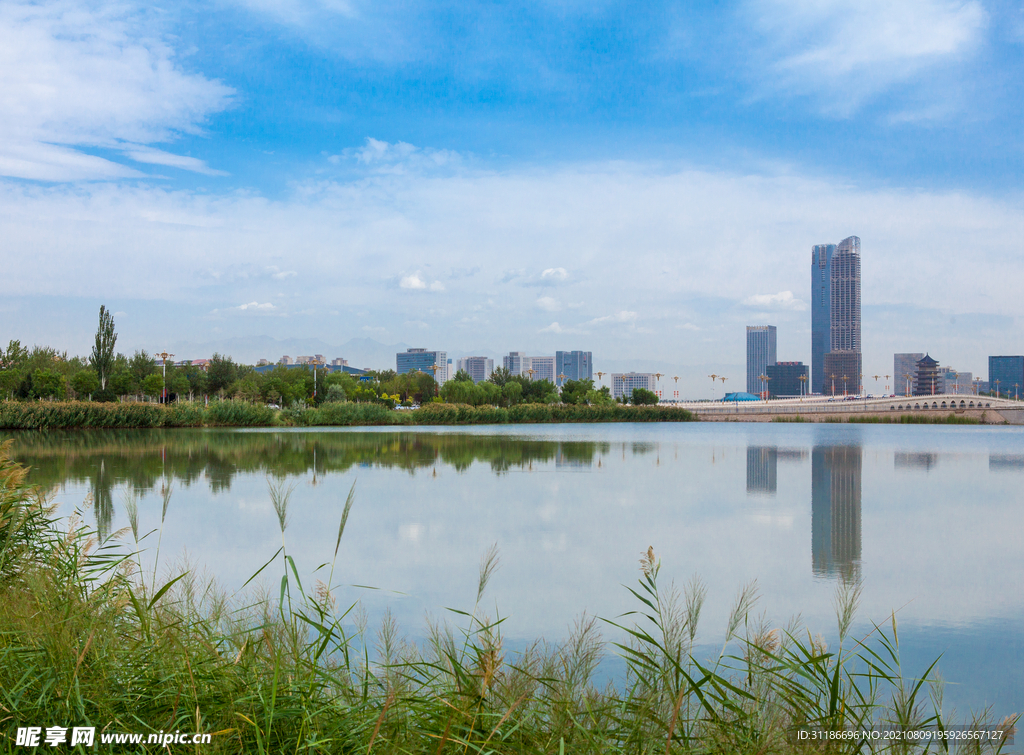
column 531, row 371
column 886, row 383
column 803, row 386
column 599, row 376
column 713, row 379
column 767, row 393
column 561, row 379
column 435, row 368
column 997, row 387
column 1016, row 392
column 675, row 395
column 833, row 384
column 844, row 384
column 164, row 356
column 657, row 378
column 907, row 376
column 956, row 376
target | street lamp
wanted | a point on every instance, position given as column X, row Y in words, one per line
column 997, row 387
column 676, row 392
column 531, row 371
column 767, row 394
column 599, row 376
column 713, row 379
column 435, row 368
column 833, row 384
column 803, row 386
column 844, row 384
column 886, row 383
column 657, row 378
column 164, row 355
column 907, row 376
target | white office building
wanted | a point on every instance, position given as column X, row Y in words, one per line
column 478, row 368
column 624, row 383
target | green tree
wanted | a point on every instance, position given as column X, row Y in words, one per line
column 575, row 391
column 221, row 373
column 500, row 376
column 153, row 385
column 643, row 397
column 85, row 383
column 49, row 383
column 141, row 366
column 103, row 350
column 121, row 382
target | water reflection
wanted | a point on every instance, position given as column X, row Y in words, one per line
column 1006, row 462
column 144, row 460
column 762, row 469
column 836, row 510
column 925, row 461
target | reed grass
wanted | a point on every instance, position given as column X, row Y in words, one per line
column 53, row 415
column 84, row 641
column 918, row 419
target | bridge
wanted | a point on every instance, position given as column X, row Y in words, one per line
column 985, row 409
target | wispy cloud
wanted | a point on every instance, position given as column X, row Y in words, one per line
column 415, row 282
column 844, row 52
column 549, row 304
column 618, row 317
column 73, row 76
column 142, row 154
column 781, row 300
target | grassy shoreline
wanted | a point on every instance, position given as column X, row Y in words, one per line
column 90, row 638
column 16, row 415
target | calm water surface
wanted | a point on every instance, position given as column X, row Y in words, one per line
column 928, row 517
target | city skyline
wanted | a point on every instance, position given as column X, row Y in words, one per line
column 589, row 171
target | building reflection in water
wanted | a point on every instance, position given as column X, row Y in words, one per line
column 762, row 469
column 835, row 510
column 923, row 461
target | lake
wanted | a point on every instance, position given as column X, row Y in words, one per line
column 928, row 517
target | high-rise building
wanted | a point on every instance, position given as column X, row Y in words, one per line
column 1009, row 371
column 836, row 510
column 516, row 362
column 543, row 368
column 478, row 368
column 786, row 379
column 422, row 360
column 761, row 341
column 835, row 312
column 821, row 307
column 624, row 383
column 842, row 373
column 574, row 365
column 904, row 370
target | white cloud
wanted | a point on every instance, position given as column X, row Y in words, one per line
column 74, row 75
column 414, row 282
column 142, row 154
column 554, row 274
column 781, row 300
column 706, row 235
column 618, row 317
column 256, row 307
column 549, row 304
column 283, row 274
column 552, row 328
column 845, row 51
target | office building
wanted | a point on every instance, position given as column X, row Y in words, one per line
column 904, row 371
column 951, row 381
column 761, row 340
column 762, row 469
column 786, row 379
column 339, row 362
column 842, row 373
column 624, row 383
column 835, row 313
column 478, row 368
column 516, row 362
column 573, row 365
column 821, row 307
column 1009, row 371
column 926, row 383
column 836, row 510
column 543, row 368
column 421, row 360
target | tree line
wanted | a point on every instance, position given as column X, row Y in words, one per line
column 107, row 375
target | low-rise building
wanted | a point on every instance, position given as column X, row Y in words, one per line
column 624, row 383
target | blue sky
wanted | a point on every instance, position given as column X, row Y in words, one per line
column 639, row 181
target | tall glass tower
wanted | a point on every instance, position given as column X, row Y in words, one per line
column 821, row 312
column 761, row 345
column 835, row 315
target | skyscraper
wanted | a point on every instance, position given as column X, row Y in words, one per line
column 478, row 368
column 575, row 365
column 421, row 360
column 835, row 313
column 760, row 353
column 821, row 308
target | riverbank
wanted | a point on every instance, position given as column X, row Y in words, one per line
column 67, row 415
column 90, row 638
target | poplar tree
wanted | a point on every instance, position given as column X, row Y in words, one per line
column 103, row 350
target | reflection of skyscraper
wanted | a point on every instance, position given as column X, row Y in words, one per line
column 762, row 469
column 835, row 510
